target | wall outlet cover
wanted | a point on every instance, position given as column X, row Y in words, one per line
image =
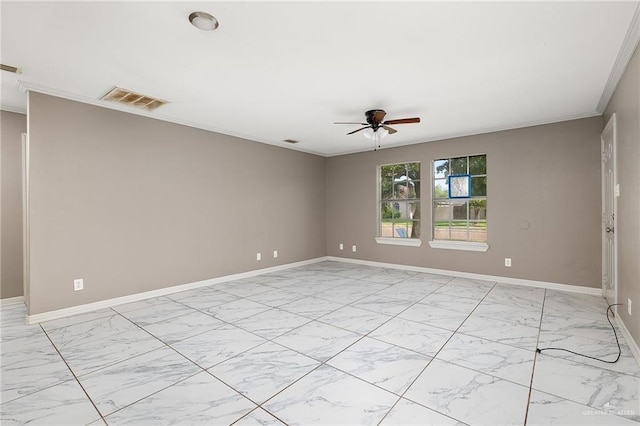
column 78, row 284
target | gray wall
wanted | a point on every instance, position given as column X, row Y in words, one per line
column 626, row 104
column 547, row 175
column 132, row 204
column 12, row 125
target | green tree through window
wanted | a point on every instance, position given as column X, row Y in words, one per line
column 400, row 200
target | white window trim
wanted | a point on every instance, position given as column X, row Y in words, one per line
column 408, row 242
column 394, row 241
column 459, row 245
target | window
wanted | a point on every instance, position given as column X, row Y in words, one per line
column 399, row 201
column 460, row 218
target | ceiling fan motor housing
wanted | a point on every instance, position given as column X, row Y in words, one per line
column 371, row 118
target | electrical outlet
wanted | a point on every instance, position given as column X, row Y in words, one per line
column 275, row 254
column 341, row 246
column 258, row 256
column 507, row 262
column 78, row 284
column 353, row 249
column 629, row 305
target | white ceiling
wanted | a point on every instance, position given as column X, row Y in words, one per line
column 278, row 70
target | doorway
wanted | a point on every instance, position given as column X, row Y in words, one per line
column 610, row 192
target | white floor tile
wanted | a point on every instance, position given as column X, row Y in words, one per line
column 178, row 328
column 437, row 317
column 29, row 365
column 508, row 333
column 545, row 409
column 596, row 387
column 214, row 346
column 311, row 307
column 469, row 396
column 121, row 384
column 355, row 319
column 327, row 396
column 388, row 366
column 258, row 417
column 198, row 400
column 263, row 371
column 407, row 413
column 272, row 323
column 506, row 362
column 413, row 335
column 63, row 404
column 318, row 340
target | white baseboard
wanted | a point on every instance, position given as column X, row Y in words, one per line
column 81, row 309
column 473, row 276
column 633, row 345
column 11, row 301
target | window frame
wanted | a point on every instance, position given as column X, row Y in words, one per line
column 456, row 244
column 398, row 241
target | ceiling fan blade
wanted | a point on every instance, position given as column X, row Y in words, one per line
column 389, row 129
column 379, row 116
column 403, row 121
column 362, row 128
column 349, row 122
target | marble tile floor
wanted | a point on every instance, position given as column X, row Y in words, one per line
column 327, row 343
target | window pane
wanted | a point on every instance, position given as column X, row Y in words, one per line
column 440, row 188
column 478, row 210
column 459, row 230
column 404, row 190
column 401, row 230
column 413, row 213
column 441, row 211
column 414, row 171
column 459, row 166
column 386, row 228
column 478, row 165
column 388, row 211
column 478, row 231
column 440, row 169
column 479, row 186
column 460, row 211
column 441, row 220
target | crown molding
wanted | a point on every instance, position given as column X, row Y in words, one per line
column 475, row 132
column 16, row 110
column 624, row 56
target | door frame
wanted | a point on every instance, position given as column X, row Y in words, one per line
column 610, row 127
column 25, row 221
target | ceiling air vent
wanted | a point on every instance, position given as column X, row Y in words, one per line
column 290, row 141
column 127, row 97
column 9, row 68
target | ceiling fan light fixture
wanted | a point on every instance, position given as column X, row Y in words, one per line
column 381, row 132
column 203, row 21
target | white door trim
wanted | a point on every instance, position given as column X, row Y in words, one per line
column 610, row 128
column 25, row 218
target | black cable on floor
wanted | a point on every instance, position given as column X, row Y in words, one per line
column 587, row 356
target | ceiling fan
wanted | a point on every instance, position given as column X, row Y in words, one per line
column 374, row 121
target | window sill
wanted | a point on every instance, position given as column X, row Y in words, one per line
column 407, row 242
column 459, row 245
